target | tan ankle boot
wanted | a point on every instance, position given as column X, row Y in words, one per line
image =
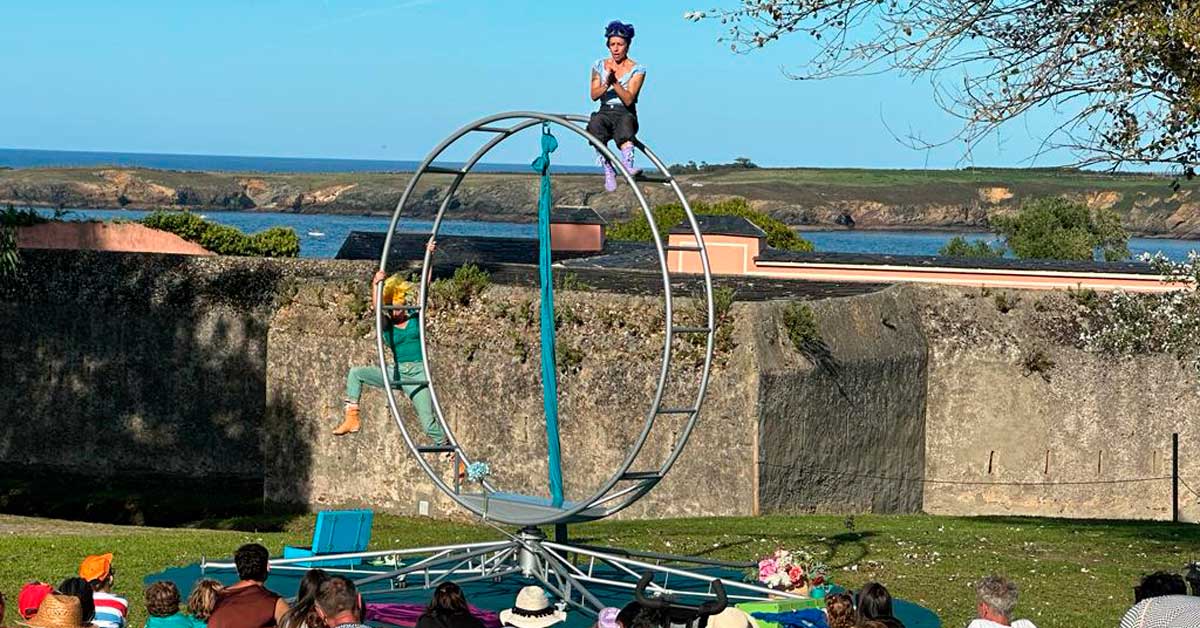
column 350, row 424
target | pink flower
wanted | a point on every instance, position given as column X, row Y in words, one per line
column 766, row 568
column 796, row 574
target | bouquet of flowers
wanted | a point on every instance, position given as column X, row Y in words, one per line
column 786, row 570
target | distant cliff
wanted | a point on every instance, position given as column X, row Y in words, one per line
column 960, row 199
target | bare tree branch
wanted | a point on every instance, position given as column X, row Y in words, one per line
column 1126, row 73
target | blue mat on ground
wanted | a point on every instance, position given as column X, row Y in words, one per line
column 495, row 596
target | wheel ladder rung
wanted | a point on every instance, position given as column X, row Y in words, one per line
column 641, row 475
column 686, row 248
column 436, row 449
column 400, row 308
column 677, row 410
column 691, row 330
column 651, row 177
column 493, row 129
column 412, row 382
column 444, row 170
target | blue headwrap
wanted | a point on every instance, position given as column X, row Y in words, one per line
column 617, row 28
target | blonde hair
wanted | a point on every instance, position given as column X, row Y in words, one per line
column 396, row 289
column 203, row 598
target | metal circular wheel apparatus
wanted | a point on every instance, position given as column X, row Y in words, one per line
column 626, row 485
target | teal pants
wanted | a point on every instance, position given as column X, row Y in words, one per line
column 418, row 393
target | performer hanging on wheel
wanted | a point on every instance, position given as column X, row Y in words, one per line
column 616, row 81
column 402, row 332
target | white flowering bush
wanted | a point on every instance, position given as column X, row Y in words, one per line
column 1121, row 323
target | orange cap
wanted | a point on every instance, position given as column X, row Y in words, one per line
column 96, row 567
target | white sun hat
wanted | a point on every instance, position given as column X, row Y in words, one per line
column 532, row 610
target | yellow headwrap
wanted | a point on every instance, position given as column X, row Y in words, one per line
column 396, row 289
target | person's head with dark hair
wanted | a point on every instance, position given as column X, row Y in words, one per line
column 203, row 598
column 338, row 601
column 448, row 599
column 839, row 607
column 251, row 560
column 617, row 28
column 650, row 618
column 81, row 589
column 628, row 613
column 874, row 602
column 303, row 614
column 1158, row 584
column 162, row 599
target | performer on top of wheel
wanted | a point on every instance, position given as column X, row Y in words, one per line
column 616, row 82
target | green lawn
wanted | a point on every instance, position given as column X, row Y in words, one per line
column 1072, row 573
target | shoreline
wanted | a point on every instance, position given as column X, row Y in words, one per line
column 798, row 229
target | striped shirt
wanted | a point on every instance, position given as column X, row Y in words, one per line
column 110, row 610
column 1167, row 611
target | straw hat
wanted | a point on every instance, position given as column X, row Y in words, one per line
column 57, row 611
column 731, row 618
column 532, row 610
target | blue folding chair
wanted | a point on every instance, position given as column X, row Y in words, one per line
column 337, row 532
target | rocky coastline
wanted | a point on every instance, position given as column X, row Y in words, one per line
column 809, row 199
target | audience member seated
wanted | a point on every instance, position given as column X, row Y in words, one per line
column 162, row 606
column 111, row 609
column 628, row 613
column 202, row 600
column 875, row 604
column 81, row 589
column 996, row 597
column 532, row 609
column 1161, row 601
column 448, row 609
column 57, row 611
column 339, row 604
column 248, row 603
column 303, row 614
column 839, row 608
column 30, row 598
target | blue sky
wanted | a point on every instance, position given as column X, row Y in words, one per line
column 387, row 79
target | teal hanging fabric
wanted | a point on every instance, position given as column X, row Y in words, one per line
column 549, row 370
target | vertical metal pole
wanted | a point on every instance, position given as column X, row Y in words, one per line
column 560, row 533
column 1175, row 477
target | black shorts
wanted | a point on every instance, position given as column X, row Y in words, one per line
column 613, row 123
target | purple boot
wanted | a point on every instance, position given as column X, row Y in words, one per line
column 627, row 161
column 610, row 175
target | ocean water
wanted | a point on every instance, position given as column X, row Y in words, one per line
column 30, row 158
column 321, row 235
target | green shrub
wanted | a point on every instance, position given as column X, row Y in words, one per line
column 13, row 217
column 276, row 242
column 958, row 246
column 468, row 282
column 1056, row 228
column 637, row 228
column 226, row 240
column 10, row 257
column 1036, row 361
column 801, row 324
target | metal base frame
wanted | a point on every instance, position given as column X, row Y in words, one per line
column 565, row 570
